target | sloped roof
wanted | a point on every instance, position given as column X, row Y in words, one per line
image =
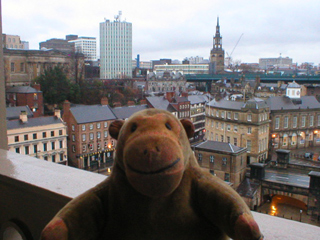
column 248, row 188
column 196, row 99
column 22, row 89
column 160, row 103
column 14, row 112
column 218, row 146
column 33, row 122
column 286, row 103
column 226, row 104
column 92, row 113
column 126, row 112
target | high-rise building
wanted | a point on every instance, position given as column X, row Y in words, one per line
column 217, row 53
column 115, row 49
column 13, row 42
column 87, row 46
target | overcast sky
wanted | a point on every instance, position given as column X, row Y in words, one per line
column 177, row 29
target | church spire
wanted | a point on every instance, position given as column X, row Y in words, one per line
column 217, row 38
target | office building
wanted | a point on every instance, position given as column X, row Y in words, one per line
column 115, row 49
column 87, row 46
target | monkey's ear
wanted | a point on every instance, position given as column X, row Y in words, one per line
column 114, row 128
column 188, row 126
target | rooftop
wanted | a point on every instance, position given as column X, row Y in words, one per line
column 33, row 122
column 219, row 147
column 92, row 113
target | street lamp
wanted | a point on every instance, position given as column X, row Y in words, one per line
column 300, row 214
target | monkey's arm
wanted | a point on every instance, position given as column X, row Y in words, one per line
column 224, row 207
column 82, row 218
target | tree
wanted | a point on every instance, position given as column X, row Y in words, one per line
column 54, row 85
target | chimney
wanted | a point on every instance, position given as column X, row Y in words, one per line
column 23, row 117
column 169, row 96
column 66, row 106
column 130, row 103
column 37, row 86
column 57, row 113
column 104, row 101
column 184, row 94
column 143, row 101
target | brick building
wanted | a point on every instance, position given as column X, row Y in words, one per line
column 26, row 96
column 243, row 124
column 226, row 161
column 21, row 67
column 90, row 145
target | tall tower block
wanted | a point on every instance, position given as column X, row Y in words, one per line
column 217, row 52
column 115, row 49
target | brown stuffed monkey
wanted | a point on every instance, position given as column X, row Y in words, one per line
column 156, row 191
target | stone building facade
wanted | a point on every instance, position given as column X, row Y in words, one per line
column 226, row 161
column 42, row 137
column 243, row 124
column 166, row 82
column 21, row 67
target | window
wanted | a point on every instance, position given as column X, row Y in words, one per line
column 285, row 122
column 211, row 159
column 235, row 141
column 16, row 138
column 223, row 113
column 35, row 148
column 91, row 136
column 98, row 135
column 34, row 136
column 61, row 156
column 235, row 128
column 12, row 67
column 52, row 133
column 248, row 145
column 221, row 138
column 44, row 147
column 199, row 157
column 249, row 130
column 83, row 137
column 53, row 145
column 60, row 132
column 98, row 125
column 217, row 137
column 217, row 125
column 294, row 139
column 26, row 150
column 303, row 121
column 294, row 121
column 236, row 116
column 249, row 117
column 61, row 144
column 44, row 134
column 285, row 140
column 91, row 126
column 217, row 113
column 105, row 124
column 277, row 123
column 229, row 115
column 228, row 127
column 72, row 128
column 73, row 138
column 84, row 148
column 224, row 161
column 311, row 120
column 53, row 158
column 227, row 177
column 105, row 134
column 228, row 139
column 17, row 150
column 83, row 127
column 222, row 126
column 21, row 67
column 25, row 137
column 73, row 148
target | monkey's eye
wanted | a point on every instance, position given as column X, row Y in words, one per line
column 168, row 126
column 133, row 127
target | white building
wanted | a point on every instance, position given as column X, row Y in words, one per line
column 115, row 49
column 87, row 46
column 183, row 68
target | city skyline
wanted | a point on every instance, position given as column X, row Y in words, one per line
column 269, row 28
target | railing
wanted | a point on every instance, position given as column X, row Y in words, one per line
column 33, row 190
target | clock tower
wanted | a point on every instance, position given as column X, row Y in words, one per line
column 217, row 53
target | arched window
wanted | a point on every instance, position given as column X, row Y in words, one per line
column 294, row 139
column 285, row 140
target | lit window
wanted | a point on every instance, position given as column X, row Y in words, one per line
column 249, row 117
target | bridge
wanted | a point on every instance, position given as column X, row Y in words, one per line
column 264, row 78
